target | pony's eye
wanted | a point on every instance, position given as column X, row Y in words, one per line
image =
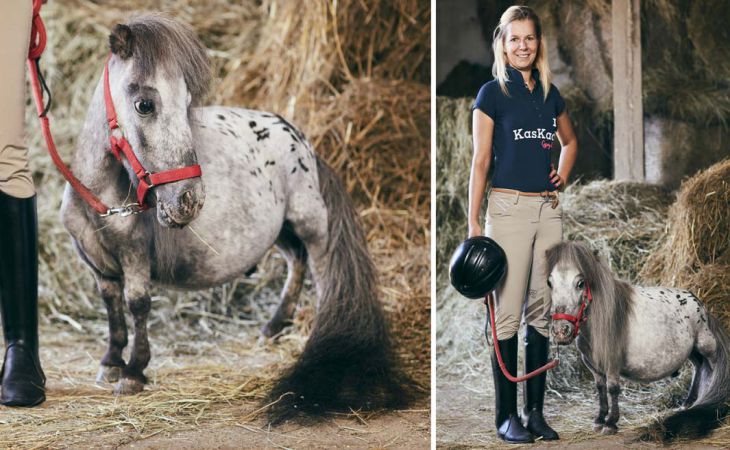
column 550, row 285
column 144, row 107
column 581, row 284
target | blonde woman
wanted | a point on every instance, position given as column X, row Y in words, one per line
column 516, row 117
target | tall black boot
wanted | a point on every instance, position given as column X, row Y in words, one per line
column 536, row 355
column 509, row 427
column 23, row 381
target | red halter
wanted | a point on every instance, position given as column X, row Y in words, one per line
column 146, row 179
column 580, row 318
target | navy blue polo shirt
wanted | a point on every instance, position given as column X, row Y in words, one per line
column 524, row 131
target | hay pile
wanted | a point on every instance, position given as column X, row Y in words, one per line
column 352, row 75
column 695, row 252
column 622, row 220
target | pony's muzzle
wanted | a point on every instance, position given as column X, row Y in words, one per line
column 179, row 203
column 562, row 332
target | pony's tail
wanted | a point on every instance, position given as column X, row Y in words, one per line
column 348, row 362
column 711, row 407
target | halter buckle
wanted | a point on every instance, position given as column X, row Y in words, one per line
column 148, row 176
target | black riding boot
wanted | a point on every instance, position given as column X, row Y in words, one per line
column 536, row 355
column 23, row 381
column 509, row 427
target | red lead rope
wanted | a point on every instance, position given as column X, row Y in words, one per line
column 489, row 301
column 37, row 45
column 146, row 179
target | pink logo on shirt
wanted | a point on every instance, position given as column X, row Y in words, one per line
column 547, row 145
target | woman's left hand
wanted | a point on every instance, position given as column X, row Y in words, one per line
column 555, row 178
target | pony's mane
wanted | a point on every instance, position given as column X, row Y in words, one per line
column 611, row 307
column 160, row 40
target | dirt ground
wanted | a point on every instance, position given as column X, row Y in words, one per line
column 399, row 430
column 204, row 392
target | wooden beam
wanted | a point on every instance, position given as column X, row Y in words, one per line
column 628, row 112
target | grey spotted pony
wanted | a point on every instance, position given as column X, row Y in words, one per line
column 641, row 333
column 261, row 186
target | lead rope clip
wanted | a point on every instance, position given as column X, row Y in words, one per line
column 123, row 211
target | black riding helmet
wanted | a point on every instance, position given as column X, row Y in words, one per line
column 478, row 264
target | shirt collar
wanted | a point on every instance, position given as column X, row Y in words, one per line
column 519, row 82
column 516, row 75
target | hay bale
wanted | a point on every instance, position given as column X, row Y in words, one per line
column 453, row 163
column 375, row 134
column 695, row 252
column 319, row 48
column 622, row 220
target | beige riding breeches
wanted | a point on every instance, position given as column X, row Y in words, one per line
column 15, row 23
column 525, row 227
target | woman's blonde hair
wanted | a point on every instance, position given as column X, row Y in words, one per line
column 499, row 68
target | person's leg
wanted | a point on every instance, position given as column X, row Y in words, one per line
column 15, row 175
column 510, row 223
column 509, row 427
column 22, row 378
column 537, row 309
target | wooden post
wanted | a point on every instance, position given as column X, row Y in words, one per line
column 628, row 112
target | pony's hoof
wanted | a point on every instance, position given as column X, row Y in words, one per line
column 273, row 328
column 128, row 386
column 108, row 374
column 607, row 429
column 269, row 330
column 597, row 427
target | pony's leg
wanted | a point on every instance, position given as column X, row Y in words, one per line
column 308, row 217
column 600, row 379
column 112, row 363
column 136, row 293
column 600, row 419
column 694, row 387
column 296, row 256
column 614, row 389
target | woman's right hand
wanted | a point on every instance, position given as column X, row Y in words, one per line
column 474, row 230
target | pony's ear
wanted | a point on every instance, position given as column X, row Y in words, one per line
column 121, row 41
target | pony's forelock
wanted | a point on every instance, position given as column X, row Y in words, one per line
column 162, row 41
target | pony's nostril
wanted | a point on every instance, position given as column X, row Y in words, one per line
column 188, row 200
